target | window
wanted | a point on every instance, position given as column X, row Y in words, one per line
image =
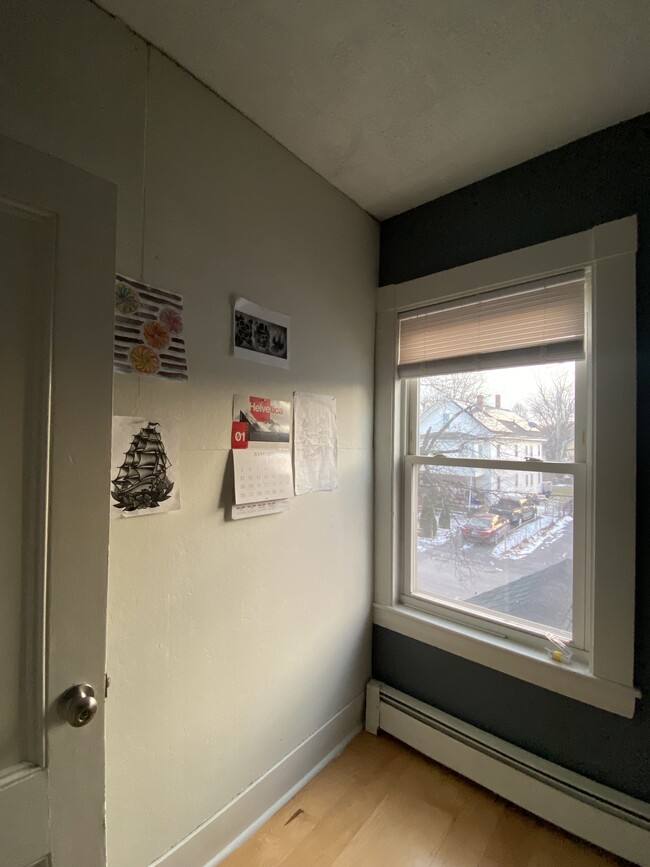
column 531, row 357
column 481, row 539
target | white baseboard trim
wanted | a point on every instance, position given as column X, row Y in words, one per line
column 597, row 813
column 212, row 842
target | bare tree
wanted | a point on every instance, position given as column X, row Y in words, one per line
column 464, row 387
column 552, row 405
column 445, row 502
column 457, row 386
column 520, row 409
column 438, row 441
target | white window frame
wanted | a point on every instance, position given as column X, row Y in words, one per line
column 603, row 675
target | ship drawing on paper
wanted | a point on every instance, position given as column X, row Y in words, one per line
column 142, row 481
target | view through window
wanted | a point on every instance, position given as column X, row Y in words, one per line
column 494, row 527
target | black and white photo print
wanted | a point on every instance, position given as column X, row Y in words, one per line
column 260, row 335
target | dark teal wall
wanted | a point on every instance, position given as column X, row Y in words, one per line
column 594, row 180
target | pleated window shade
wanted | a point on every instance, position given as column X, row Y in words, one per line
column 532, row 323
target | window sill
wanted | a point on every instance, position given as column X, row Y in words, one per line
column 575, row 681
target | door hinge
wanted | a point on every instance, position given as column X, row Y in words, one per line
column 107, row 683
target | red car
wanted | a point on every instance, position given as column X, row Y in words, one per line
column 485, row 527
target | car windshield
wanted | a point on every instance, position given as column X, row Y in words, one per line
column 510, row 504
column 480, row 523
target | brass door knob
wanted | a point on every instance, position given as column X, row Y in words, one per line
column 78, row 705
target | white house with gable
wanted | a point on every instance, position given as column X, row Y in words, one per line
column 462, row 429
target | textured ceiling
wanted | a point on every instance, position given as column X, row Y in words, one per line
column 398, row 102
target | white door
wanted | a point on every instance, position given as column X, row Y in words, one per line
column 57, row 248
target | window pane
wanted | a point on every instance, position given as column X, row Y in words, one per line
column 508, row 414
column 501, row 540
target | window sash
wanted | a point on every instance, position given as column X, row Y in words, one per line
column 536, row 322
column 493, row 621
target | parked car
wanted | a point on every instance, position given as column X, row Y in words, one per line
column 515, row 509
column 485, row 527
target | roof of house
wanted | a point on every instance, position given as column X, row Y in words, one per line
column 544, row 597
column 505, row 422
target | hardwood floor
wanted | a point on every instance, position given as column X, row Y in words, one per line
column 381, row 804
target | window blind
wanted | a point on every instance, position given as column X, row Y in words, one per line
column 532, row 323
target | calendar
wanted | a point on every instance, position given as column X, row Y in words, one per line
column 254, row 510
column 262, row 474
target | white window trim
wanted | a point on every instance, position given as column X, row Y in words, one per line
column 605, row 680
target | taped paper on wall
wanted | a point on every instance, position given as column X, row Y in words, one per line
column 149, row 333
column 269, row 421
column 315, row 445
column 259, row 334
column 144, row 467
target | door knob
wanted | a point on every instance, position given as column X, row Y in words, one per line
column 78, row 705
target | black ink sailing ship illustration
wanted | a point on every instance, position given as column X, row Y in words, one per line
column 142, row 481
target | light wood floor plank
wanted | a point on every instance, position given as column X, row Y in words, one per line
column 407, row 826
column 468, row 837
column 381, row 804
column 340, row 824
column 512, row 841
column 364, row 758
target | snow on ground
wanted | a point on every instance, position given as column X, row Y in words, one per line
column 509, row 548
column 505, row 551
column 441, row 538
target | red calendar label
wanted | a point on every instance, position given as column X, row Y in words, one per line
column 240, row 435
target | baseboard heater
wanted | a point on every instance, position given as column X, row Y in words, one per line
column 594, row 812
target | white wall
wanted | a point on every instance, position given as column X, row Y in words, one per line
column 229, row 643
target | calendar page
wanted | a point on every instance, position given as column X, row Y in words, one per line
column 254, row 510
column 262, row 474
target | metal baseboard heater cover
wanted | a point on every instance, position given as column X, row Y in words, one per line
column 597, row 813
